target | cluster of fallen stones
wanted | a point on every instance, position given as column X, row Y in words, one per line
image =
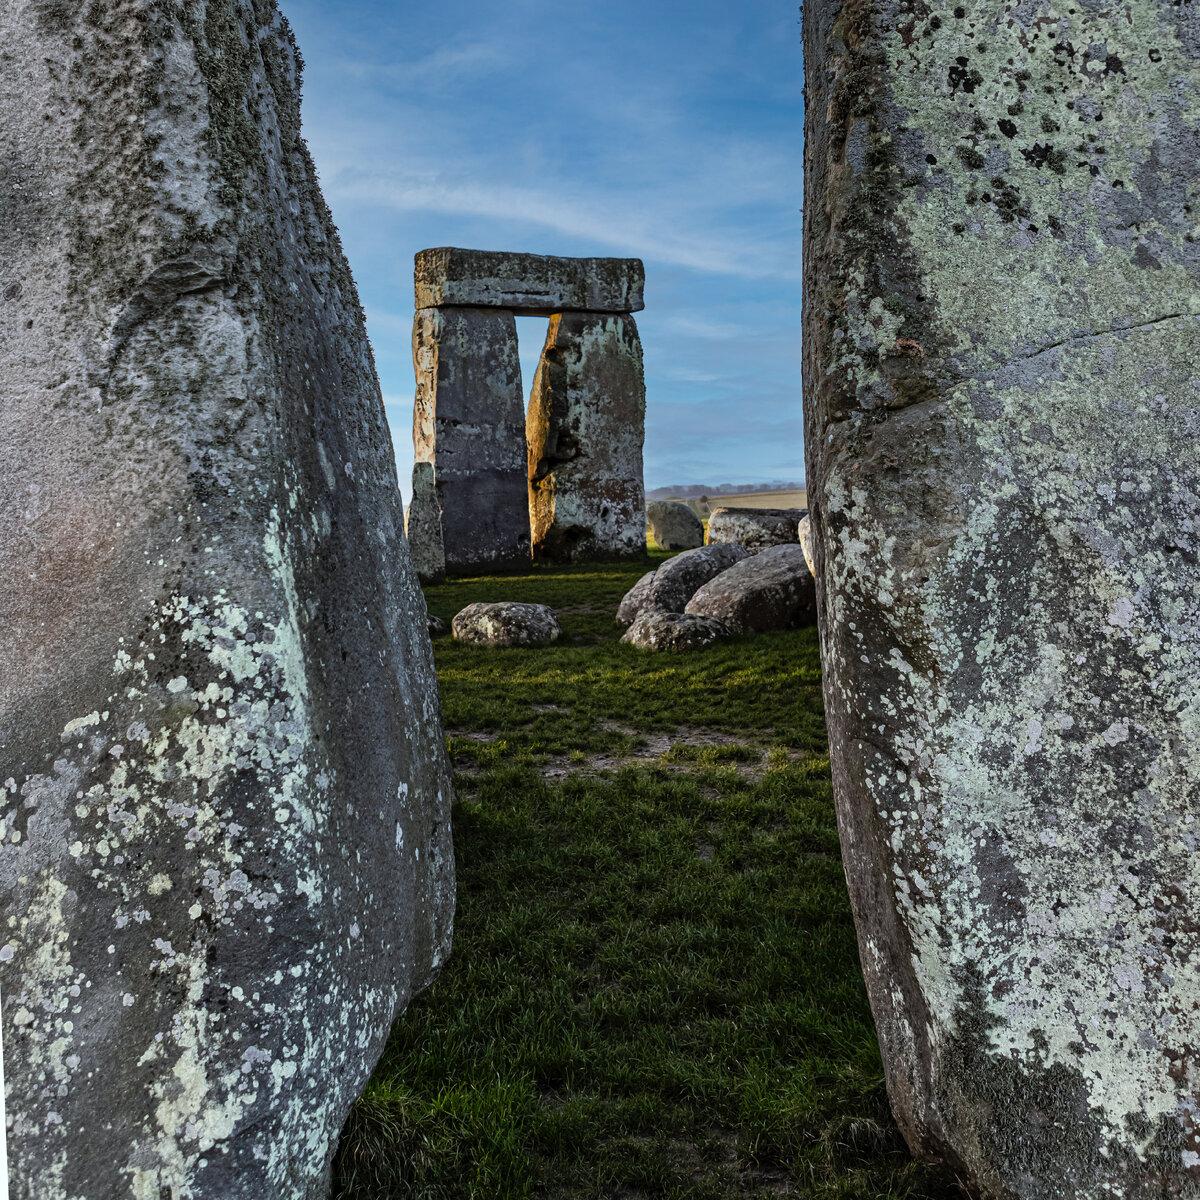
column 752, row 577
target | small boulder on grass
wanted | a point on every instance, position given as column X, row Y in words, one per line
column 674, row 525
column 674, row 631
column 773, row 589
column 506, row 623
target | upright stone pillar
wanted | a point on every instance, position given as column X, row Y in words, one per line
column 469, row 425
column 1002, row 372
column 585, row 429
column 225, row 858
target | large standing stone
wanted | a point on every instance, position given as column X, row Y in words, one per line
column 469, row 423
column 529, row 283
column 585, row 429
column 225, row 863
column 1002, row 400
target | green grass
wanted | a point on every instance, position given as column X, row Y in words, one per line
column 655, row 988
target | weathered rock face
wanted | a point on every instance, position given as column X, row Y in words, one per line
column 805, row 534
column 225, row 863
column 772, row 589
column 679, row 578
column 506, row 623
column 423, row 526
column 469, row 424
column 755, row 527
column 1002, row 289
column 635, row 599
column 530, row 283
column 654, row 630
column 585, row 429
column 674, row 525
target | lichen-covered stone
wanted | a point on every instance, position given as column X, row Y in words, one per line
column 635, row 599
column 469, row 425
column 506, row 623
column 1002, row 314
column 805, row 535
column 772, row 589
column 423, row 526
column 225, row 858
column 585, row 429
column 655, row 630
column 754, row 528
column 674, row 526
column 528, row 283
column 679, row 578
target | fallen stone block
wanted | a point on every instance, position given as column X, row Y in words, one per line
column 635, row 600
column 674, row 526
column 654, row 630
column 528, row 283
column 754, row 527
column 506, row 623
column 772, row 589
column 679, row 578
column 226, row 864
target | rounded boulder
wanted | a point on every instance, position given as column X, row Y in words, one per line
column 773, row 589
column 506, row 623
column 674, row 631
column 674, row 526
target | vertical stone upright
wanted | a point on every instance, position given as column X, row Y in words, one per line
column 1002, row 393
column 469, row 425
column 585, row 429
column 225, row 858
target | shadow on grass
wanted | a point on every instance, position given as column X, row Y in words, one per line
column 655, row 987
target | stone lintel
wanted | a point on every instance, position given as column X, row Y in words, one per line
column 528, row 284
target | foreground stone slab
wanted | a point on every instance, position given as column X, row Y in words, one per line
column 469, row 427
column 674, row 526
column 654, row 630
column 585, row 429
column 528, row 283
column 755, row 528
column 506, row 623
column 225, row 864
column 1001, row 331
column 772, row 589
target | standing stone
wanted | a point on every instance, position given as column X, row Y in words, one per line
column 469, row 423
column 585, row 430
column 1002, row 382
column 423, row 526
column 225, row 860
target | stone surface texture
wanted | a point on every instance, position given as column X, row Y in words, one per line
column 423, row 526
column 681, row 577
column 225, row 857
column 805, row 535
column 528, row 283
column 585, row 429
column 506, row 623
column 674, row 525
column 634, row 600
column 755, row 528
column 772, row 589
column 654, row 630
column 1002, row 365
column 469, row 424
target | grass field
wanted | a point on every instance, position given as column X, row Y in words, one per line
column 655, row 988
column 793, row 499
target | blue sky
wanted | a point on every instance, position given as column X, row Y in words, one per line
column 661, row 130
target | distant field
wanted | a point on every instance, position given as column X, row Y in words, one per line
column 797, row 498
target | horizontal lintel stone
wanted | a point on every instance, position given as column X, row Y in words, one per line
column 528, row 283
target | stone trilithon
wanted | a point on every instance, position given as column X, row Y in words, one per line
column 1002, row 370
column 225, row 860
